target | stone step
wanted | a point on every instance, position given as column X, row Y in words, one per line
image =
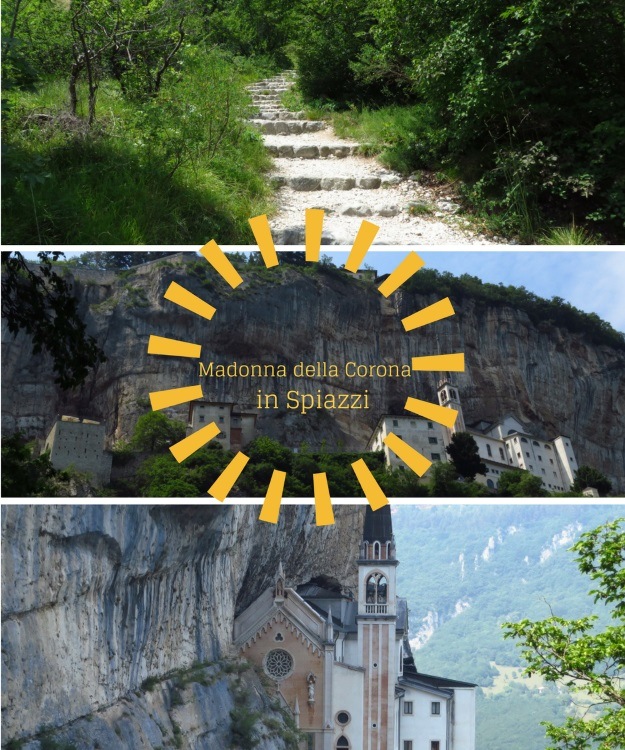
column 312, row 184
column 266, row 98
column 288, row 127
column 280, row 114
column 311, row 151
column 260, row 90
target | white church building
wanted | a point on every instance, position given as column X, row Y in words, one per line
column 503, row 445
column 343, row 666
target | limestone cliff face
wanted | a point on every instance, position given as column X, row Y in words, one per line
column 556, row 381
column 95, row 599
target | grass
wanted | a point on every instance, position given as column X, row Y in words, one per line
column 65, row 184
column 572, row 235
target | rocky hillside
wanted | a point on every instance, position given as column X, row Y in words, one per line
column 556, row 381
column 97, row 599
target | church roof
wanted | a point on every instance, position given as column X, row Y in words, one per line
column 428, row 680
column 378, row 525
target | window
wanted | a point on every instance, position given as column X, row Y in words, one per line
column 433, row 441
column 518, row 456
column 202, row 418
column 436, row 708
column 221, row 419
column 554, row 474
column 540, row 458
column 516, row 440
column 310, row 741
column 343, row 718
column 524, row 440
column 543, row 471
column 376, row 588
column 551, row 460
column 501, row 453
column 395, row 423
column 534, row 442
column 407, row 744
column 488, row 450
column 548, row 447
column 531, row 467
column 341, row 743
column 408, row 707
column 430, row 426
column 436, row 456
column 435, row 745
column 527, row 454
column 278, row 664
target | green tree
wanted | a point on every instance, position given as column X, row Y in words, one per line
column 465, row 455
column 520, row 483
column 41, row 302
column 586, row 476
column 115, row 261
column 577, row 654
column 155, row 432
column 25, row 475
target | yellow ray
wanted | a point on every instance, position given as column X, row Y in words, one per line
column 314, row 229
column 264, row 240
column 439, row 363
column 184, row 298
column 224, row 483
column 194, row 442
column 220, row 262
column 273, row 498
column 323, row 503
column 412, row 458
column 439, row 310
column 174, row 396
column 173, row 347
column 441, row 414
column 407, row 268
column 362, row 243
column 373, row 492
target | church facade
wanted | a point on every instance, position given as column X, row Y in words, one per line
column 342, row 664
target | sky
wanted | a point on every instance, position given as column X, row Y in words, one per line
column 592, row 280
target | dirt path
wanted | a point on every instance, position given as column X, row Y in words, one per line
column 316, row 169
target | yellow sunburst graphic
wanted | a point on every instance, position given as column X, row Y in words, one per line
column 182, row 297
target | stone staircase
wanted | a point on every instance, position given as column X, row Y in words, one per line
column 316, row 169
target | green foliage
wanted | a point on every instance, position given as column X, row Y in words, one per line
column 586, row 476
column 540, row 311
column 177, row 167
column 569, row 236
column 244, row 728
column 149, row 684
column 465, row 455
column 156, row 432
column 41, row 303
column 520, row 483
column 23, row 474
column 575, row 653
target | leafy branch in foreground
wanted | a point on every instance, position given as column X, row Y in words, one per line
column 576, row 654
column 41, row 303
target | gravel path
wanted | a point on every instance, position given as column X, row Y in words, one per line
column 314, row 168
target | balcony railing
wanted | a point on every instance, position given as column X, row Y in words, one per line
column 376, row 609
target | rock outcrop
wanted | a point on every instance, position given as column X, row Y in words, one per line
column 97, row 599
column 555, row 381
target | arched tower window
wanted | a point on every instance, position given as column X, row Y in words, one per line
column 377, row 589
column 342, row 743
column 488, row 450
column 376, row 550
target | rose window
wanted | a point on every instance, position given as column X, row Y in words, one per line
column 278, row 664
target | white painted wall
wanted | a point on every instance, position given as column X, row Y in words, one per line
column 348, row 691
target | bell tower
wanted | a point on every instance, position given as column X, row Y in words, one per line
column 448, row 396
column 377, row 622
